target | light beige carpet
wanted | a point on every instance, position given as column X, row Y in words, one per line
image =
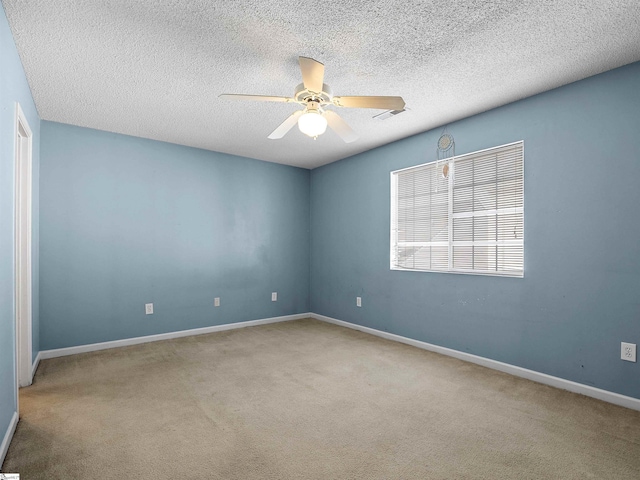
column 307, row 400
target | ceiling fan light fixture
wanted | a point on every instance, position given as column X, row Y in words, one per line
column 313, row 94
column 312, row 123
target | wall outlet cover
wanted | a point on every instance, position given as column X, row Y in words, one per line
column 358, row 301
column 148, row 308
column 216, row 302
column 628, row 351
column 274, row 296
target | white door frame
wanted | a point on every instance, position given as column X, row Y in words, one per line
column 22, row 258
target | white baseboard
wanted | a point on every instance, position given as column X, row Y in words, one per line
column 34, row 367
column 605, row 395
column 7, row 437
column 61, row 352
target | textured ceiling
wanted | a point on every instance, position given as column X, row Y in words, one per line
column 155, row 68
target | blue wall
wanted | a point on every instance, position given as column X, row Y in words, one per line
column 127, row 221
column 13, row 88
column 580, row 296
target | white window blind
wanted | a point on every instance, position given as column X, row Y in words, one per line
column 472, row 221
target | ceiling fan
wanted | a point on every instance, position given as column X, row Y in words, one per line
column 314, row 95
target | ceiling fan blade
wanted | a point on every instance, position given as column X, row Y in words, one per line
column 339, row 126
column 260, row 98
column 386, row 103
column 285, row 126
column 312, row 74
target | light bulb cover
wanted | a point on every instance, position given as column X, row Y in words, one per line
column 312, row 123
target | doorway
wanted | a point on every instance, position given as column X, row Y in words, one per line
column 22, row 231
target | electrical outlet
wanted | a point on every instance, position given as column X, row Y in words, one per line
column 216, row 302
column 148, row 308
column 358, row 301
column 628, row 351
column 274, row 296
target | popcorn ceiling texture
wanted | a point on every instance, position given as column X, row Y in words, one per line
column 154, row 69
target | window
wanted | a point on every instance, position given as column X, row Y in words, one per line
column 463, row 214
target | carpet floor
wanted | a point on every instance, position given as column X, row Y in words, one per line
column 307, row 400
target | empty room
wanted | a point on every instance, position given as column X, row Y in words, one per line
column 340, row 240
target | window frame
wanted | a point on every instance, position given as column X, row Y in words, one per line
column 450, row 217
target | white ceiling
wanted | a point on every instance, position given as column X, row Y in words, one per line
column 155, row 68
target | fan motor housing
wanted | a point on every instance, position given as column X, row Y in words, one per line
column 304, row 96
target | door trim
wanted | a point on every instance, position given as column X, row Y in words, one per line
column 23, row 181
